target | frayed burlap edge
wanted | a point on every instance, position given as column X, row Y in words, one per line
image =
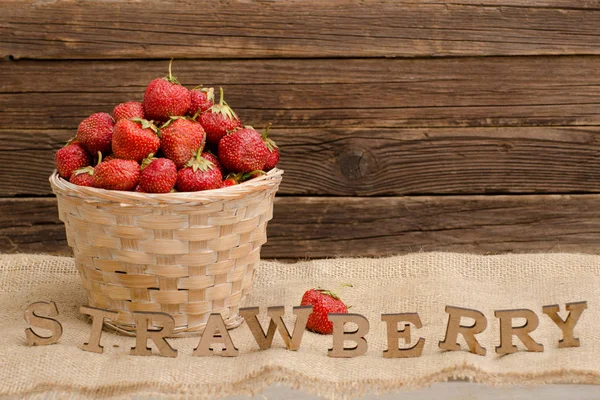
column 258, row 382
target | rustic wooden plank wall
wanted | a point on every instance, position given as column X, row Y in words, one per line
column 404, row 125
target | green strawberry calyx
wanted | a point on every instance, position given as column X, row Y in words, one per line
column 85, row 170
column 332, row 293
column 174, row 118
column 240, row 177
column 146, row 124
column 268, row 141
column 197, row 162
column 210, row 92
column 223, row 108
column 172, row 78
column 147, row 161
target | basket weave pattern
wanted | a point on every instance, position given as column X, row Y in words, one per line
column 185, row 254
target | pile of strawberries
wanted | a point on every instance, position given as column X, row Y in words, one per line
column 176, row 140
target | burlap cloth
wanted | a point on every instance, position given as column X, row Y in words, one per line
column 423, row 283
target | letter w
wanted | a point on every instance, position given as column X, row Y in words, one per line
column 265, row 340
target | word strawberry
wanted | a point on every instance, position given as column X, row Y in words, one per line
column 273, row 157
column 324, row 302
column 129, row 110
column 243, row 150
column 95, row 133
column 180, row 139
column 165, row 97
column 83, row 177
column 199, row 174
column 158, row 175
column 135, row 139
column 201, row 100
column 218, row 120
column 70, row 158
column 117, row 174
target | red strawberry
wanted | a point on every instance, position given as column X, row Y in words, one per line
column 83, row 177
column 117, row 174
column 138, row 189
column 201, row 100
column 135, row 139
column 158, row 175
column 95, row 133
column 239, row 177
column 213, row 159
column 272, row 160
column 180, row 139
column 229, row 182
column 131, row 109
column 218, row 120
column 71, row 157
column 199, row 174
column 324, row 303
column 243, row 150
column 165, row 97
column 273, row 157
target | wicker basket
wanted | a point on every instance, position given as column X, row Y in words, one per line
column 185, row 254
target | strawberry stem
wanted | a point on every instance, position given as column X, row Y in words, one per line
column 85, row 170
column 268, row 141
column 99, row 157
column 221, row 94
column 171, row 78
column 266, row 132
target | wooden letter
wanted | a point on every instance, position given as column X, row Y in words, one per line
column 43, row 321
column 567, row 326
column 522, row 332
column 393, row 334
column 98, row 315
column 265, row 340
column 468, row 332
column 357, row 336
column 215, row 323
column 142, row 333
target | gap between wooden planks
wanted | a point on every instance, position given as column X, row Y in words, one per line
column 320, row 227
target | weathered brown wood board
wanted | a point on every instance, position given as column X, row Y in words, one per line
column 316, row 227
column 298, row 28
column 412, row 100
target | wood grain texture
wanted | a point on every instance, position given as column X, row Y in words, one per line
column 317, row 227
column 367, row 162
column 375, row 93
column 300, row 29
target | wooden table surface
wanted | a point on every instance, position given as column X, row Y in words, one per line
column 404, row 125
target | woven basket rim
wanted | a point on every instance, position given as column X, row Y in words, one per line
column 90, row 194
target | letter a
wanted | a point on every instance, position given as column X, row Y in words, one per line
column 215, row 324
